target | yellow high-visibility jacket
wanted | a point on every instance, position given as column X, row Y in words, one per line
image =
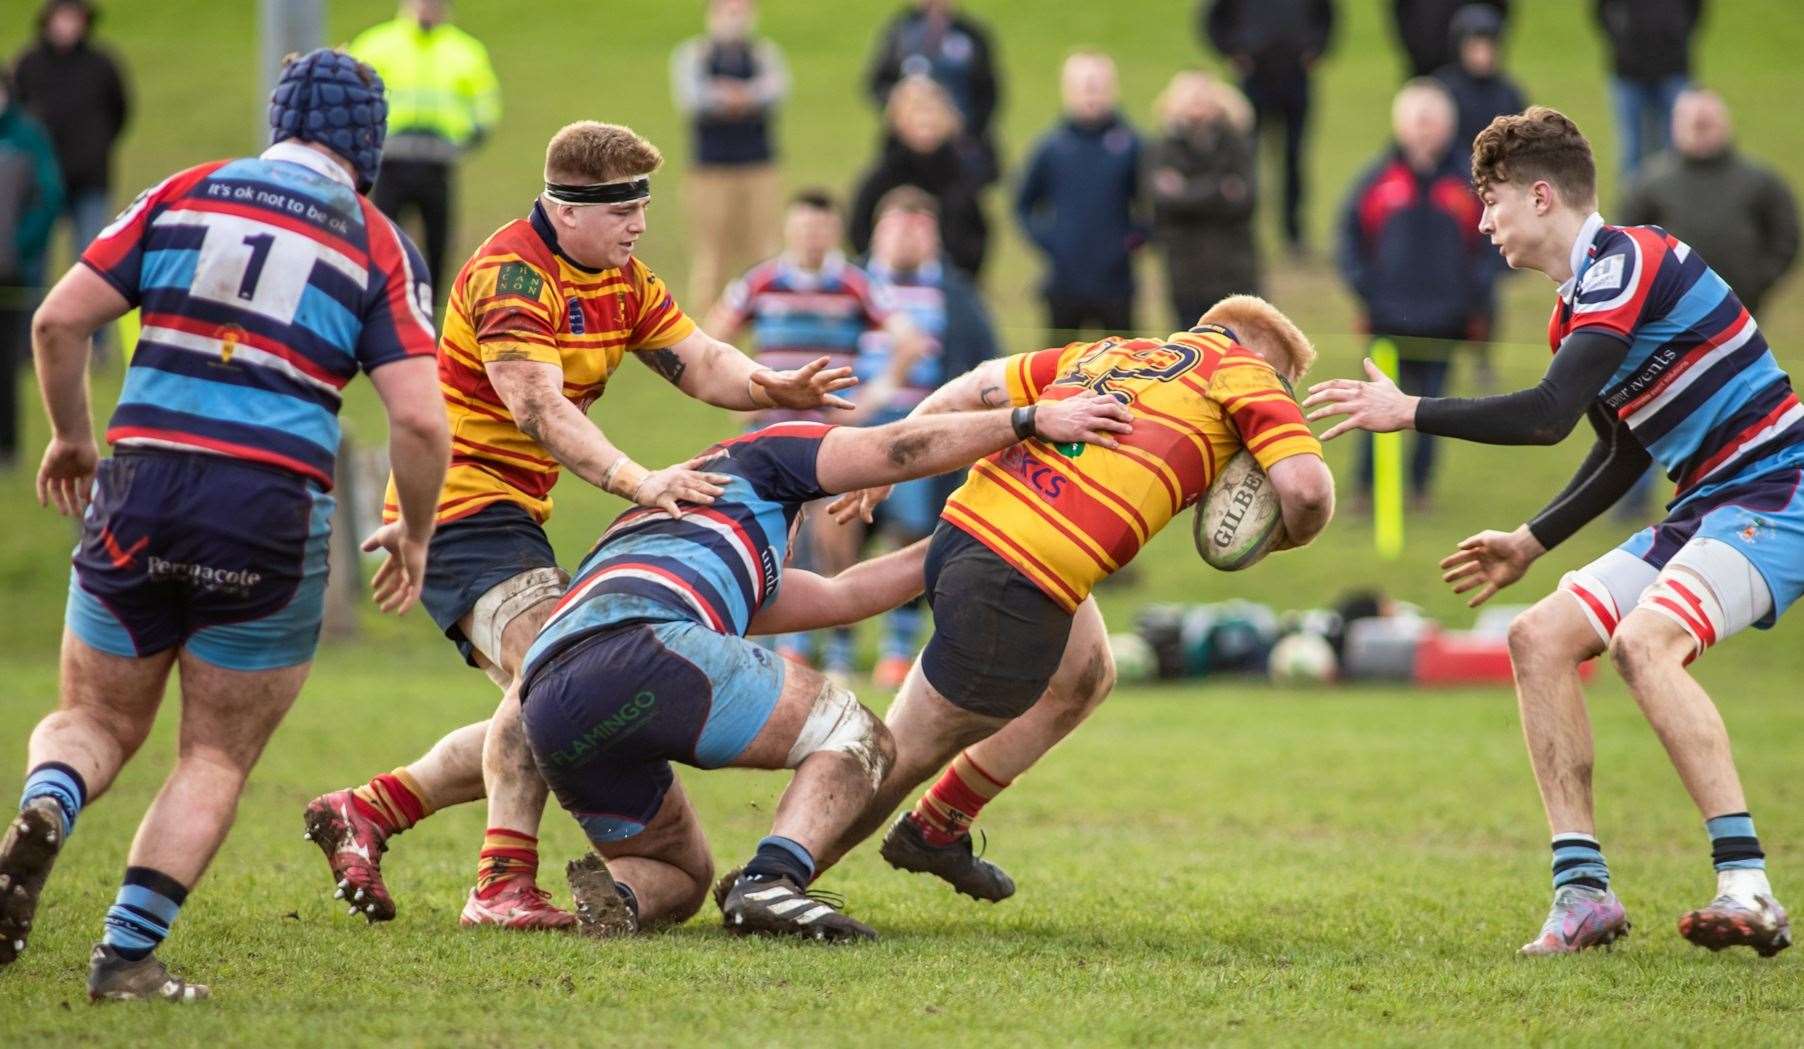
column 439, row 80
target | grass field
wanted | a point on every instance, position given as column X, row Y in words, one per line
column 1225, row 862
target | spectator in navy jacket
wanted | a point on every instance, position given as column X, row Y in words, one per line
column 953, row 50
column 1423, row 28
column 1076, row 202
column 1481, row 90
column 729, row 83
column 1411, row 252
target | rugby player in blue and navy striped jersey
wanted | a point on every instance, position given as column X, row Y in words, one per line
column 644, row 662
column 1657, row 350
column 266, row 284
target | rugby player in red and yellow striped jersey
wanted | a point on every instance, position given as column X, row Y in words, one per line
column 539, row 319
column 1019, row 655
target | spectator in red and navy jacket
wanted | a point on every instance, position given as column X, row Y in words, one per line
column 1411, row 253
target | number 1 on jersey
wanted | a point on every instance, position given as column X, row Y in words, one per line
column 259, row 243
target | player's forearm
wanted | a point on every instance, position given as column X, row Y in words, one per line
column 722, row 376
column 579, row 445
column 418, row 454
column 925, row 446
column 980, row 388
column 860, row 592
column 60, row 329
column 60, row 354
column 1608, row 472
column 879, row 584
column 1305, row 492
column 1543, row 414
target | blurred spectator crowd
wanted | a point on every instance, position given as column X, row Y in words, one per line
column 888, row 275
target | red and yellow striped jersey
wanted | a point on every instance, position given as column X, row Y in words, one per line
column 519, row 298
column 1067, row 516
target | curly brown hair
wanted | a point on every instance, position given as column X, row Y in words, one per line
column 1538, row 144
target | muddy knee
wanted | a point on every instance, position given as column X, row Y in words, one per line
column 1073, row 700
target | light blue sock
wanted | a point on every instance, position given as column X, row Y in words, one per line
column 1733, row 844
column 1578, row 860
column 142, row 913
column 60, row 783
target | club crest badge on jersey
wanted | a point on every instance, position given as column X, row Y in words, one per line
column 574, row 307
column 1606, row 275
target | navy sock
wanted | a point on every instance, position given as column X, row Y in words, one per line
column 1733, row 844
column 142, row 913
column 780, row 857
column 59, row 782
column 1578, row 860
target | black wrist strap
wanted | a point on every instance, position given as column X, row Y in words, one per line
column 1022, row 419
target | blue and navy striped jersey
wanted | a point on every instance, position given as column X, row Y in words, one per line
column 797, row 315
column 265, row 283
column 919, row 295
column 1699, row 388
column 715, row 565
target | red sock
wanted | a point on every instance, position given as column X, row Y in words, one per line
column 393, row 800
column 506, row 854
column 945, row 813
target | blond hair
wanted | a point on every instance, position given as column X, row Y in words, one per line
column 590, row 152
column 1228, row 102
column 1251, row 317
column 919, row 89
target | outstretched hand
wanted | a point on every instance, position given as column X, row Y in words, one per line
column 811, row 386
column 681, row 483
column 397, row 583
column 1488, row 562
column 1376, row 406
column 858, row 506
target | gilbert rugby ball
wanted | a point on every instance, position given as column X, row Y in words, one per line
column 1238, row 520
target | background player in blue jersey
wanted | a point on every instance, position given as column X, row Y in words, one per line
column 947, row 311
column 1656, row 349
column 645, row 662
column 265, row 284
column 806, row 303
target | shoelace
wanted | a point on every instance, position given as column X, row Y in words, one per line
column 832, row 899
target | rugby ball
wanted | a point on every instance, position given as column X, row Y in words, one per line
column 1302, row 658
column 1239, row 519
column 1135, row 660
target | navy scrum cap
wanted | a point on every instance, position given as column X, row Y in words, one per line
column 332, row 99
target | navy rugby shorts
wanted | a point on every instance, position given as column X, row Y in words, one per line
column 223, row 557
column 997, row 638
column 606, row 716
column 471, row 556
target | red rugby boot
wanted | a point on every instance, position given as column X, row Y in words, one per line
column 518, row 904
column 353, row 844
